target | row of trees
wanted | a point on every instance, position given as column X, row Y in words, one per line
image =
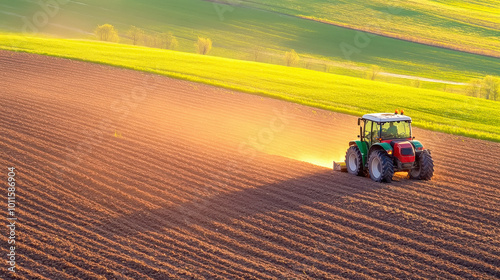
column 138, row 36
column 108, row 33
column 488, row 87
column 157, row 40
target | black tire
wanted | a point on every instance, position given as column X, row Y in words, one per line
column 425, row 167
column 380, row 166
column 354, row 161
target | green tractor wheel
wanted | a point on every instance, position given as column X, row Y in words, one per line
column 380, row 166
column 425, row 167
column 354, row 161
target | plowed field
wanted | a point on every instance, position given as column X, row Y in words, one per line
column 126, row 175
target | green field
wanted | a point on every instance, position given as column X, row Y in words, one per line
column 241, row 29
column 470, row 25
column 430, row 109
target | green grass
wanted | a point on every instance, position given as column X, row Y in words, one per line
column 243, row 28
column 430, row 109
column 468, row 25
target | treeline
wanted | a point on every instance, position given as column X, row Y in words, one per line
column 138, row 36
column 488, row 88
column 167, row 40
column 155, row 40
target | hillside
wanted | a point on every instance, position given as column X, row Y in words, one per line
column 471, row 26
column 239, row 31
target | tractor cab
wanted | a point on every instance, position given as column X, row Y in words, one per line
column 384, row 128
column 385, row 146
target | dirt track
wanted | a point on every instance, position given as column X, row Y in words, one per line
column 124, row 175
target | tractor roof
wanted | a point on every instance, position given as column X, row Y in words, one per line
column 386, row 117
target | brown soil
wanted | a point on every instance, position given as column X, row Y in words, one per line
column 126, row 175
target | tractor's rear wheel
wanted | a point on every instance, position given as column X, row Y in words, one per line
column 424, row 169
column 354, row 161
column 380, row 167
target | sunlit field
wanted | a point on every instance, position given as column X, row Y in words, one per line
column 430, row 109
column 471, row 26
column 264, row 33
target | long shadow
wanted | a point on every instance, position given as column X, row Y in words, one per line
column 291, row 195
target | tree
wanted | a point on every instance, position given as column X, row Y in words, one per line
column 136, row 34
column 491, row 87
column 488, row 88
column 203, row 46
column 107, row 32
column 291, row 58
column 168, row 41
column 474, row 88
column 375, row 69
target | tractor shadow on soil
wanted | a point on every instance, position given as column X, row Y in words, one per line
column 293, row 194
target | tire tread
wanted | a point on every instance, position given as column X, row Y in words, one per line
column 355, row 149
column 426, row 166
column 387, row 166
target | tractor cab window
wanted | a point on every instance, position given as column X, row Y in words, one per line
column 396, row 130
column 371, row 132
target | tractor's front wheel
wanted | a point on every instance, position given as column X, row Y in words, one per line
column 380, row 167
column 354, row 161
column 424, row 169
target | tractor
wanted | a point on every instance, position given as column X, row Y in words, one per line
column 385, row 146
